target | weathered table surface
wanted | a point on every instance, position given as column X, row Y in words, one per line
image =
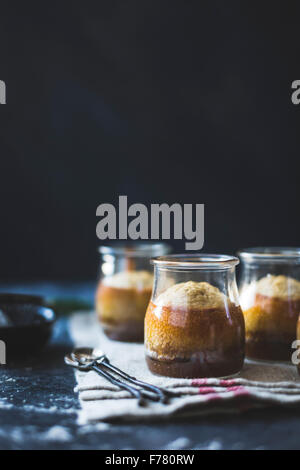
column 38, row 409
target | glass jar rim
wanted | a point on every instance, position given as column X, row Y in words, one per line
column 196, row 261
column 270, row 254
column 135, row 249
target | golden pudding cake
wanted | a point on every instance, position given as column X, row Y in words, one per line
column 121, row 304
column 272, row 319
column 193, row 330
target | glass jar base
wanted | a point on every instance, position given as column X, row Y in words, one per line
column 269, row 350
column 194, row 369
column 132, row 332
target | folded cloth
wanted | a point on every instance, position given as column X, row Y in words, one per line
column 259, row 384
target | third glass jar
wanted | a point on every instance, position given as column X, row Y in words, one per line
column 270, row 299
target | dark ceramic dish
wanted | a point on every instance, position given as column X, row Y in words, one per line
column 25, row 324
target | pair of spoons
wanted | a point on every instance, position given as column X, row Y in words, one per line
column 84, row 359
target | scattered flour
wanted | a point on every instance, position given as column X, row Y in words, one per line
column 180, row 443
column 215, row 444
column 5, row 406
column 94, row 428
column 4, row 320
column 57, row 433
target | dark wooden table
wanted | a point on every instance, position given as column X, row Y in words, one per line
column 38, row 407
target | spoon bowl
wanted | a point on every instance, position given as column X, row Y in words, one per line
column 82, row 358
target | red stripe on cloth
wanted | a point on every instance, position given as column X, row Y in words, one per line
column 205, row 390
column 220, row 383
column 199, row 382
column 227, row 383
column 238, row 390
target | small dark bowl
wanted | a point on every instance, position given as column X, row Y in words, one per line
column 25, row 324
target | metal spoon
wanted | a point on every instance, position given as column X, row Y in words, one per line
column 84, row 359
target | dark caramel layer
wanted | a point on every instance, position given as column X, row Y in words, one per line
column 268, row 351
column 131, row 332
column 270, row 347
column 205, row 364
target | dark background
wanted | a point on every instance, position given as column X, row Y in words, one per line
column 163, row 101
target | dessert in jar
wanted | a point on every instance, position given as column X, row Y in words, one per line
column 124, row 289
column 270, row 299
column 195, row 326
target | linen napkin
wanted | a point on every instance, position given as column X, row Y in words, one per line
column 259, row 384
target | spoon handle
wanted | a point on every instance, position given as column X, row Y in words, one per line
column 162, row 394
column 132, row 390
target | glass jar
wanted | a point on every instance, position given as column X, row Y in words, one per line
column 124, row 288
column 270, row 300
column 194, row 326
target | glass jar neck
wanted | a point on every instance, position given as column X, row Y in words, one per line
column 166, row 277
column 196, row 262
column 129, row 257
column 135, row 250
column 263, row 256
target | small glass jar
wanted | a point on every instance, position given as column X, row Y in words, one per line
column 270, row 300
column 194, row 326
column 124, row 288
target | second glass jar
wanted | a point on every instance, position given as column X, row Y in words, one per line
column 124, row 288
